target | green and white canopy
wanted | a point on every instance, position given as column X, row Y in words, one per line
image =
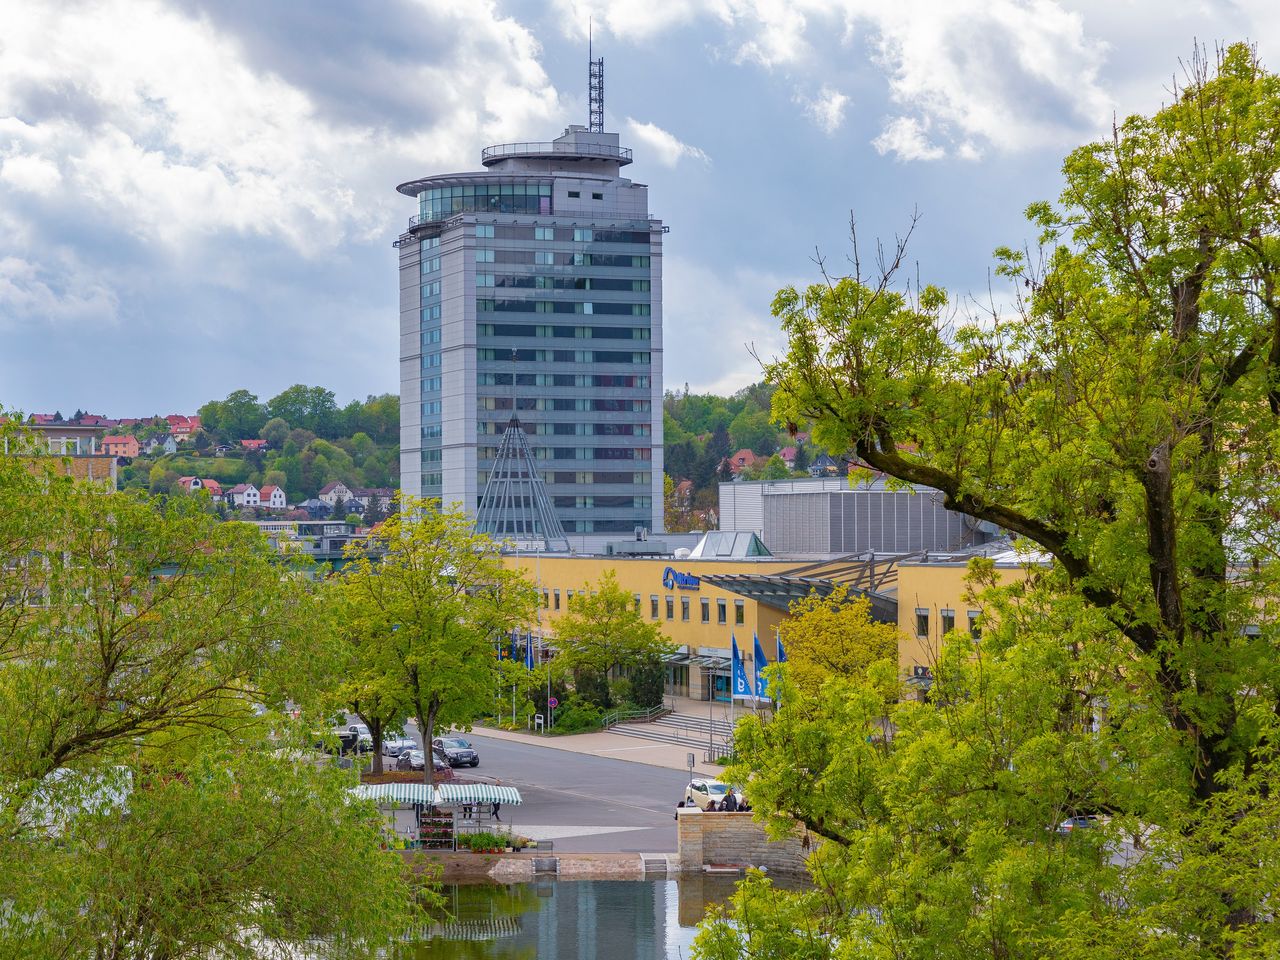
column 444, row 795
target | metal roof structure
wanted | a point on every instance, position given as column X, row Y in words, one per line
column 515, row 505
column 874, row 576
column 779, row 591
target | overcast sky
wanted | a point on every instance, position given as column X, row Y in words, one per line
column 197, row 197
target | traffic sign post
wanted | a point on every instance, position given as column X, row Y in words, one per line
column 691, row 762
column 553, row 703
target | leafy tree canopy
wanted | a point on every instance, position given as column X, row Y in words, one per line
column 431, row 601
column 1123, row 423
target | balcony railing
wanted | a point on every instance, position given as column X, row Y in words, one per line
column 603, row 151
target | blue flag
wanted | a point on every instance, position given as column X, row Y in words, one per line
column 528, row 651
column 757, row 665
column 512, row 652
column 782, row 654
column 740, row 685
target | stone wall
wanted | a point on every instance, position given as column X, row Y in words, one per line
column 735, row 839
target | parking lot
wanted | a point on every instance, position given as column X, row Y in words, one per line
column 581, row 803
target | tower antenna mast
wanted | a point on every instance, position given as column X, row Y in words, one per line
column 595, row 87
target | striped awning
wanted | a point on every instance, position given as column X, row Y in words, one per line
column 446, row 794
column 451, row 794
column 401, row 793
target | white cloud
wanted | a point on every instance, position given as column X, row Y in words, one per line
column 66, row 296
column 712, row 320
column 30, row 174
column 119, row 99
column 662, row 146
column 1011, row 74
column 826, row 109
column 907, row 139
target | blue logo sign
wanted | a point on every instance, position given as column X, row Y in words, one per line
column 672, row 578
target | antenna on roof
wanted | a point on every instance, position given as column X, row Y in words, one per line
column 595, row 88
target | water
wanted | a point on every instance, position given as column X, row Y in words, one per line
column 574, row 920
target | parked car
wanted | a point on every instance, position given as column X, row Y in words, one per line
column 364, row 739
column 416, row 760
column 457, row 751
column 1071, row 824
column 394, row 746
column 704, row 793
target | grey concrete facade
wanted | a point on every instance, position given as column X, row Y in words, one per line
column 534, row 288
column 829, row 517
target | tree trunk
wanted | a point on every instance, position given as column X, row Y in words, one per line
column 428, row 734
column 377, row 733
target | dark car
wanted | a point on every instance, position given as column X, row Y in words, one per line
column 416, row 760
column 457, row 751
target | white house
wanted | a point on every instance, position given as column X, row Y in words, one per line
column 333, row 492
column 272, row 497
column 244, row 495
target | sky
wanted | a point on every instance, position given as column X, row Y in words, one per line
column 200, row 197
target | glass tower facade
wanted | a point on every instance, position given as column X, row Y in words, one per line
column 533, row 288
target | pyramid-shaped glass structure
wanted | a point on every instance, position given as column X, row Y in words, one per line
column 515, row 505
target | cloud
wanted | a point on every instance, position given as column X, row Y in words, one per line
column 118, row 95
column 907, row 139
column 1008, row 74
column 31, row 295
column 826, row 109
column 713, row 318
column 30, row 174
column 661, row 145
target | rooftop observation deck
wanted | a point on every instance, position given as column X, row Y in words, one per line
column 560, row 149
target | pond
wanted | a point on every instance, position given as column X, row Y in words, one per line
column 573, row 920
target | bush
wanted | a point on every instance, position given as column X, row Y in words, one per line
column 648, row 684
column 577, row 716
column 620, row 690
column 593, row 688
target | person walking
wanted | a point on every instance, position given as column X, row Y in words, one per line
column 496, row 806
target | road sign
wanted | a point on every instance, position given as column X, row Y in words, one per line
column 553, row 703
column 691, row 762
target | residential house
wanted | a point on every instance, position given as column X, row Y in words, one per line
column 824, row 466
column 367, row 495
column 742, row 460
column 316, row 509
column 182, row 427
column 120, row 445
column 335, row 491
column 244, row 495
column 788, row 455
column 254, row 444
column 212, row 487
column 272, row 497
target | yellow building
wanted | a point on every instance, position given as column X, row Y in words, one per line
column 933, row 599
column 700, row 604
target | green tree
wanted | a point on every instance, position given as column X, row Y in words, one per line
column 602, row 631
column 437, row 594
column 752, row 430
column 275, row 431
column 801, row 463
column 1122, row 423
column 145, row 810
column 308, row 408
column 834, row 636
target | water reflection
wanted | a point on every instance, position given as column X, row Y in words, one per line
column 573, row 920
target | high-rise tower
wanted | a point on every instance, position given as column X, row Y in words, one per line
column 549, row 258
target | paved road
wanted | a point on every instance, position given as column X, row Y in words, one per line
column 583, row 803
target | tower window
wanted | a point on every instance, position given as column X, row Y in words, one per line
column 575, row 194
